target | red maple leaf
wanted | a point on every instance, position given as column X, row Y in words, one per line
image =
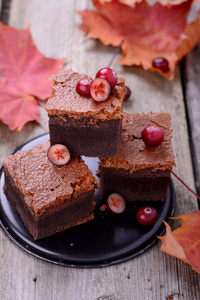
column 145, row 32
column 184, row 242
column 25, row 77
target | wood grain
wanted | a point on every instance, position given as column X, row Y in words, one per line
column 152, row 275
column 4, row 11
column 191, row 75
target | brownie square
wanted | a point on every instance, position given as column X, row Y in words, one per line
column 138, row 171
column 85, row 126
column 48, row 198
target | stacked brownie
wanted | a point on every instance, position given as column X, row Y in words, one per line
column 85, row 126
column 51, row 198
column 128, row 166
column 138, row 171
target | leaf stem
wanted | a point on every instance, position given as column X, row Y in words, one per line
column 185, row 185
column 115, row 54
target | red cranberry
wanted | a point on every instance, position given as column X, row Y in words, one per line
column 109, row 75
column 83, row 87
column 58, row 154
column 128, row 93
column 100, row 89
column 147, row 215
column 152, row 135
column 116, row 203
column 161, row 63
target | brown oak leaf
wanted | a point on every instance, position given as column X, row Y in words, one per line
column 184, row 242
column 144, row 31
column 25, row 77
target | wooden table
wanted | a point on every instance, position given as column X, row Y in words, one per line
column 152, row 275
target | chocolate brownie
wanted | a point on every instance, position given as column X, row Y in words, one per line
column 139, row 171
column 47, row 197
column 85, row 126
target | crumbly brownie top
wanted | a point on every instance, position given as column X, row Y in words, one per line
column 134, row 154
column 44, row 184
column 65, row 100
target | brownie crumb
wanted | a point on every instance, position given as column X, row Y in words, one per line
column 103, row 207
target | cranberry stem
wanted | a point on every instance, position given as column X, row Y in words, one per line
column 185, row 185
column 115, row 54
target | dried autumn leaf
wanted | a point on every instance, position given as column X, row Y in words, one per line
column 25, row 77
column 191, row 37
column 184, row 242
column 145, row 31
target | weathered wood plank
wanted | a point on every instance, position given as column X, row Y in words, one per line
column 4, row 11
column 191, row 75
column 152, row 275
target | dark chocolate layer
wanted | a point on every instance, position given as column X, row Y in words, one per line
column 142, row 185
column 83, row 137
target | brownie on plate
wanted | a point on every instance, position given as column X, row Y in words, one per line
column 139, row 171
column 48, row 198
column 85, row 126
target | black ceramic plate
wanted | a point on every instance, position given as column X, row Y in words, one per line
column 107, row 240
